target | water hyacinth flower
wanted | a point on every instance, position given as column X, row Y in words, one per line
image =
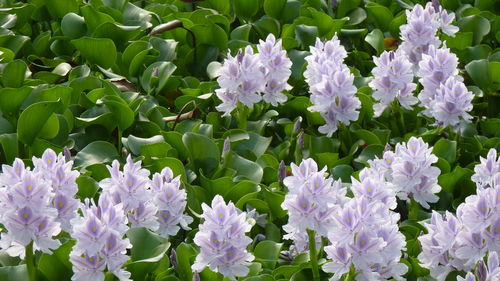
column 451, row 103
column 277, row 69
column 419, row 34
column 436, row 66
column 131, row 187
column 171, row 202
column 62, row 178
column 99, row 241
column 365, row 235
column 36, row 204
column 461, row 242
column 311, row 200
column 331, row 85
column 241, row 78
column 393, row 79
column 222, row 240
column 487, row 170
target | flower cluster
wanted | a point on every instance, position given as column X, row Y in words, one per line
column 366, row 235
column 409, row 171
column 171, row 203
column 487, row 174
column 99, row 241
column 311, row 201
column 461, row 242
column 444, row 95
column 331, row 85
column 277, row 70
column 241, row 78
column 420, row 31
column 222, row 240
column 393, row 79
column 36, row 204
column 58, row 172
column 132, row 188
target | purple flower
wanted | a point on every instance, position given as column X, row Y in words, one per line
column 99, row 241
column 331, row 85
column 277, row 69
column 486, row 171
column 132, row 189
column 311, row 202
column 222, row 240
column 171, row 202
column 393, row 76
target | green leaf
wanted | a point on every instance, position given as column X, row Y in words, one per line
column 369, row 153
column 380, row 15
column 95, row 153
column 14, row 273
column 376, row 40
column 10, row 146
column 203, row 152
column 185, row 255
column 342, row 172
column 246, row 9
column 446, row 149
column 476, row 24
column 14, row 73
column 87, row 187
column 155, row 77
column 33, row 119
column 92, row 50
column 306, row 35
column 56, row 266
column 479, row 71
column 274, row 8
column 121, row 111
column 61, row 7
column 148, row 249
column 245, row 168
column 267, row 253
column 449, row 181
column 73, row 26
column 11, row 99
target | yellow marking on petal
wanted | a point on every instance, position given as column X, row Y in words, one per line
column 129, row 183
column 26, row 215
column 30, row 187
column 304, row 204
column 413, row 147
column 49, row 161
column 165, row 215
column 94, row 229
column 247, row 86
column 482, row 209
column 230, row 254
column 498, row 197
column 363, row 242
column 91, row 259
column 477, row 238
column 348, row 220
column 497, row 229
column 221, row 215
column 41, row 225
column 110, row 244
column 169, row 194
column 60, row 175
column 61, row 204
column 316, row 184
column 388, row 160
column 18, row 171
column 369, row 189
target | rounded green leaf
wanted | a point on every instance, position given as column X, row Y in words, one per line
column 246, row 9
column 95, row 153
column 203, row 152
column 73, row 26
column 14, row 73
column 33, row 119
column 274, row 8
column 446, row 149
column 100, row 51
column 376, row 40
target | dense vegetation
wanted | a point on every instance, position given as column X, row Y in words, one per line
column 102, row 80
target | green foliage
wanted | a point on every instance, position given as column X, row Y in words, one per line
column 107, row 78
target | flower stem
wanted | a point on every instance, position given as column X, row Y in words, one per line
column 30, row 262
column 312, row 254
column 413, row 209
column 242, row 116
